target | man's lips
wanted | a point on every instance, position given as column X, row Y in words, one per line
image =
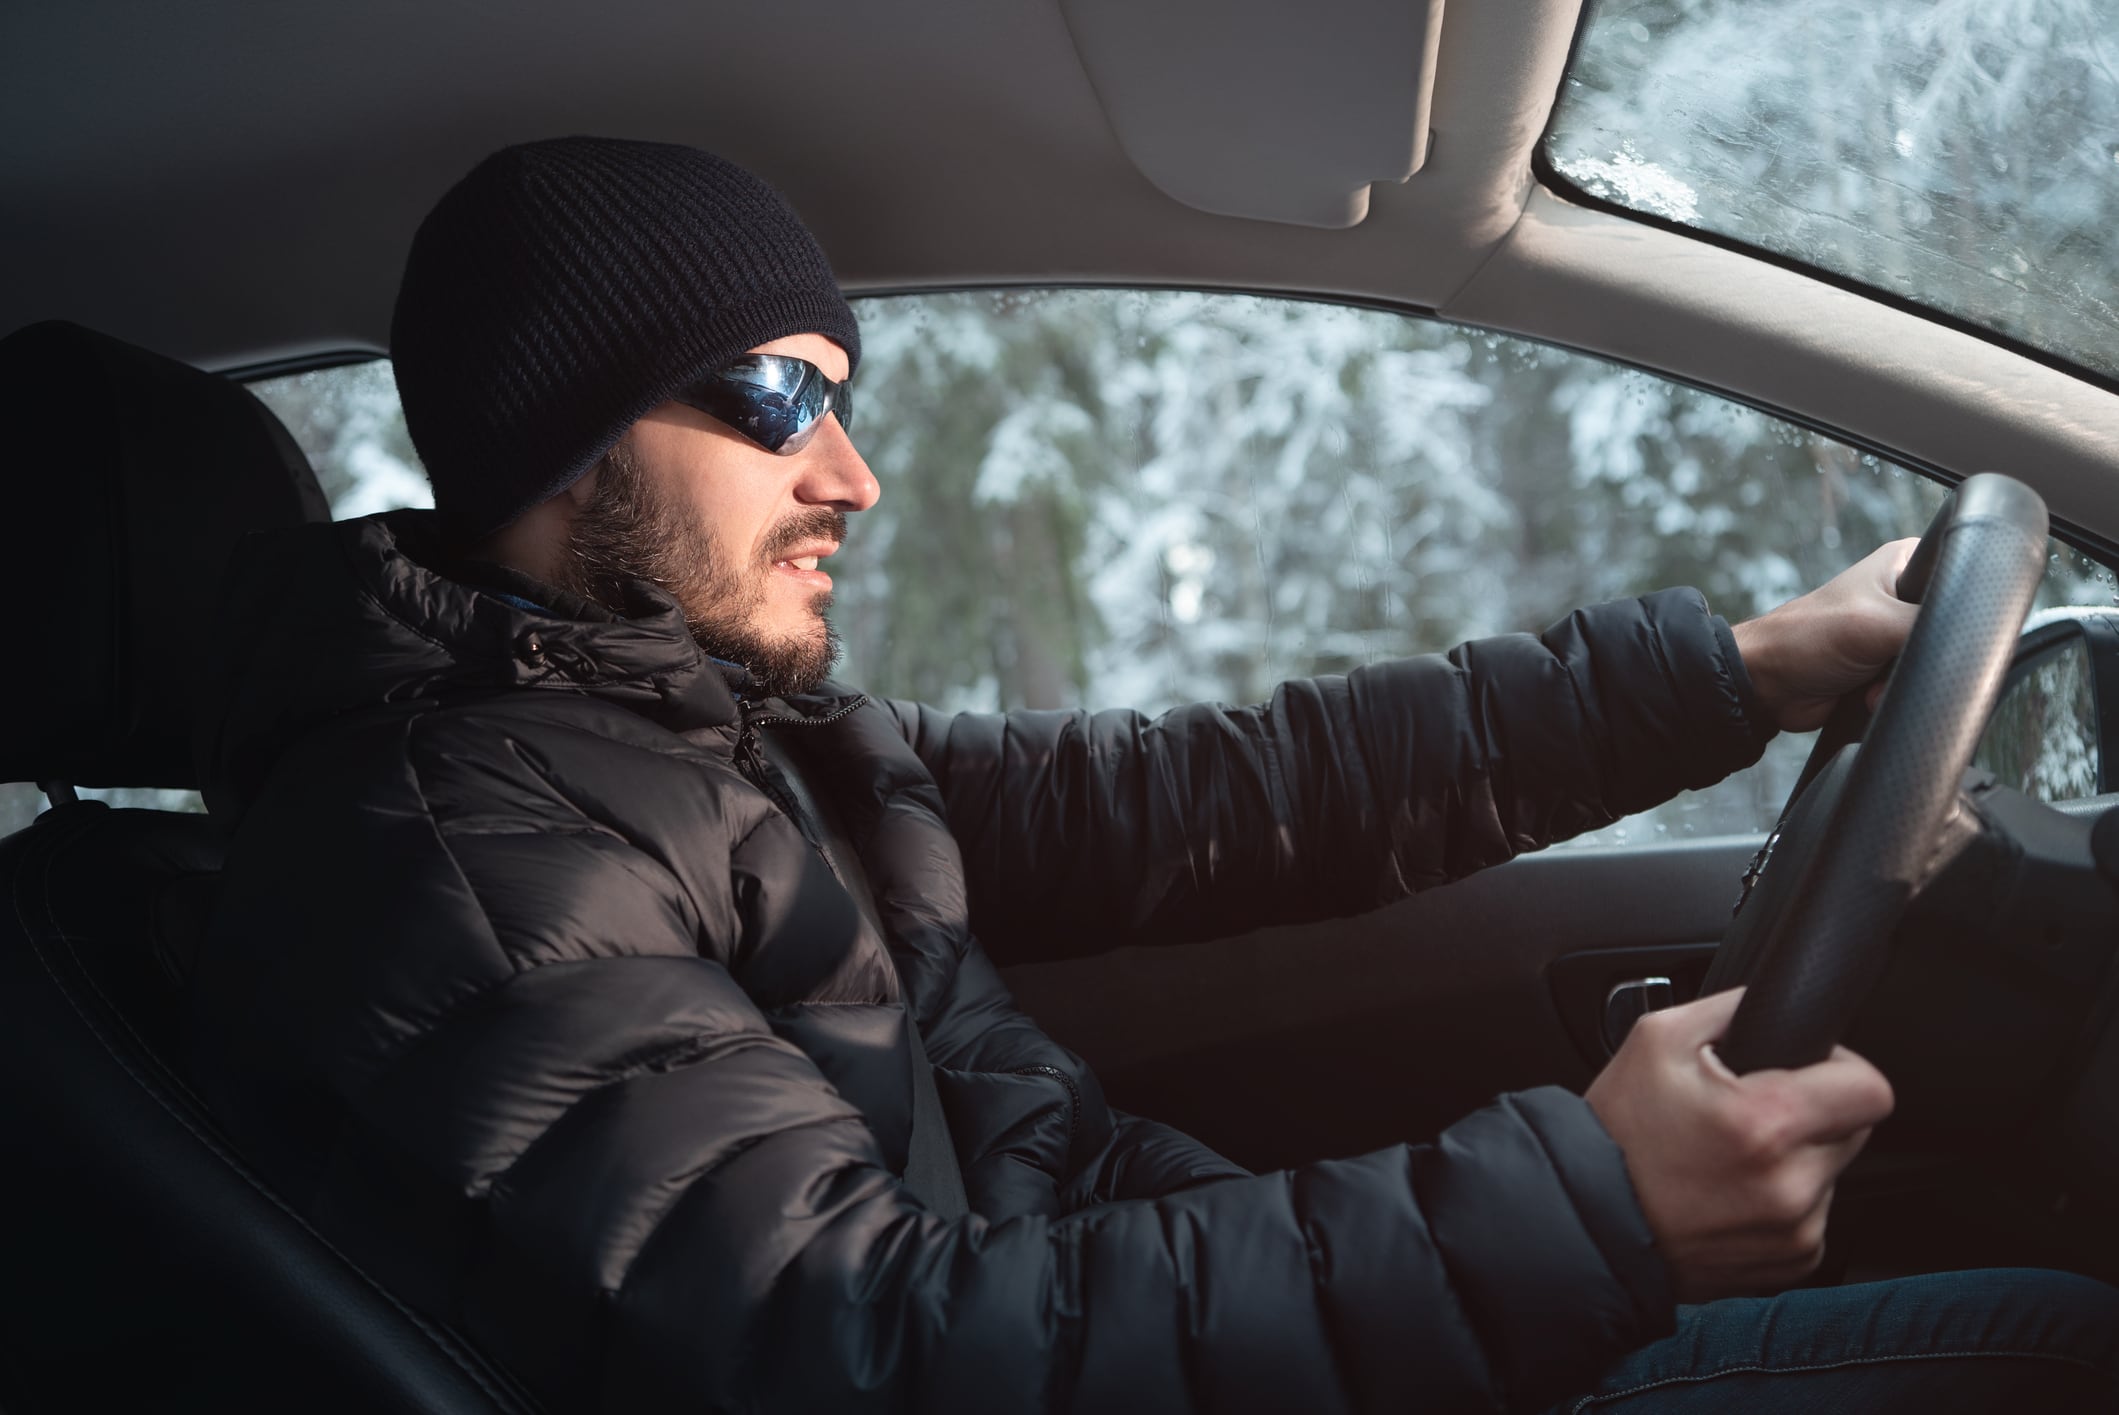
column 800, row 563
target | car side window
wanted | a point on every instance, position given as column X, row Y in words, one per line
column 347, row 419
column 1111, row 498
column 1132, row 498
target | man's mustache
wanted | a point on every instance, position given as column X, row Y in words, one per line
column 817, row 523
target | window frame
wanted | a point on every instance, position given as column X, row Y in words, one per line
column 290, row 365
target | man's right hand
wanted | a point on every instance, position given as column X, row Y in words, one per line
column 1734, row 1173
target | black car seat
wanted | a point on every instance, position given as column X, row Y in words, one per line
column 143, row 1266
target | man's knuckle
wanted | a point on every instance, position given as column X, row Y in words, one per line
column 1789, row 1198
column 1654, row 1029
column 1763, row 1130
column 1754, row 1148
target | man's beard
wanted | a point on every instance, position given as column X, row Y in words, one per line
column 631, row 529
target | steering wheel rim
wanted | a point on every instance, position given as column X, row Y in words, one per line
column 1816, row 939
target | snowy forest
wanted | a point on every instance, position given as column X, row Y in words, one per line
column 1125, row 498
column 1113, row 498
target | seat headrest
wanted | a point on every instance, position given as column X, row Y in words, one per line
column 133, row 478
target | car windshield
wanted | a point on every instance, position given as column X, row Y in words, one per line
column 1962, row 155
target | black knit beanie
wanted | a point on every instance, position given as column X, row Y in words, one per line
column 564, row 288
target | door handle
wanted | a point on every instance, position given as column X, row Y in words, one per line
column 1629, row 1001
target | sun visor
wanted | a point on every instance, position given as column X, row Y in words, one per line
column 1264, row 108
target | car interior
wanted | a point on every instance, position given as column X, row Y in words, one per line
column 198, row 196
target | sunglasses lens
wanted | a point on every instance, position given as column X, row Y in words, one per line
column 770, row 373
column 773, row 400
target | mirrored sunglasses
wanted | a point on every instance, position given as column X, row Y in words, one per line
column 775, row 400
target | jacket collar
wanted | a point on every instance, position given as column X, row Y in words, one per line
column 330, row 618
column 644, row 658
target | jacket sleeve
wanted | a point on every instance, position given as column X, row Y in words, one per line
column 1498, row 1268
column 1082, row 831
column 540, row 1106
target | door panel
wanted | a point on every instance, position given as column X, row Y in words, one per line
column 1291, row 1044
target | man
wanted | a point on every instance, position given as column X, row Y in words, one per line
column 592, row 970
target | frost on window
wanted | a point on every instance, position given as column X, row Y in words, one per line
column 348, row 421
column 1957, row 153
column 1628, row 180
column 1140, row 499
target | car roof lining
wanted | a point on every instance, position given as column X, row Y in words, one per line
column 232, row 185
column 229, row 186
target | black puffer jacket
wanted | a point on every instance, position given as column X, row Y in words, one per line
column 529, row 992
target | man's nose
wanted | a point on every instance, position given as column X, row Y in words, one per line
column 834, row 473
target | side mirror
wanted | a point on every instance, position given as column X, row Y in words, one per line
column 2054, row 734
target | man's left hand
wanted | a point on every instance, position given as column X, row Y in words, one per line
column 1803, row 656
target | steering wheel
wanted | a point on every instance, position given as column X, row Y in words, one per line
column 1873, row 816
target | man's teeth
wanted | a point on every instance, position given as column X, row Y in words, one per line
column 806, row 562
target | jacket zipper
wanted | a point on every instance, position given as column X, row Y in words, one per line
column 750, row 758
column 751, row 755
column 848, row 709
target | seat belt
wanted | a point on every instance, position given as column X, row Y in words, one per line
column 931, row 1169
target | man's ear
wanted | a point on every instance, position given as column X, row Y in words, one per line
column 583, row 489
column 534, row 541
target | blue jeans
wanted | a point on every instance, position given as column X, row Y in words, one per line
column 2000, row 1339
